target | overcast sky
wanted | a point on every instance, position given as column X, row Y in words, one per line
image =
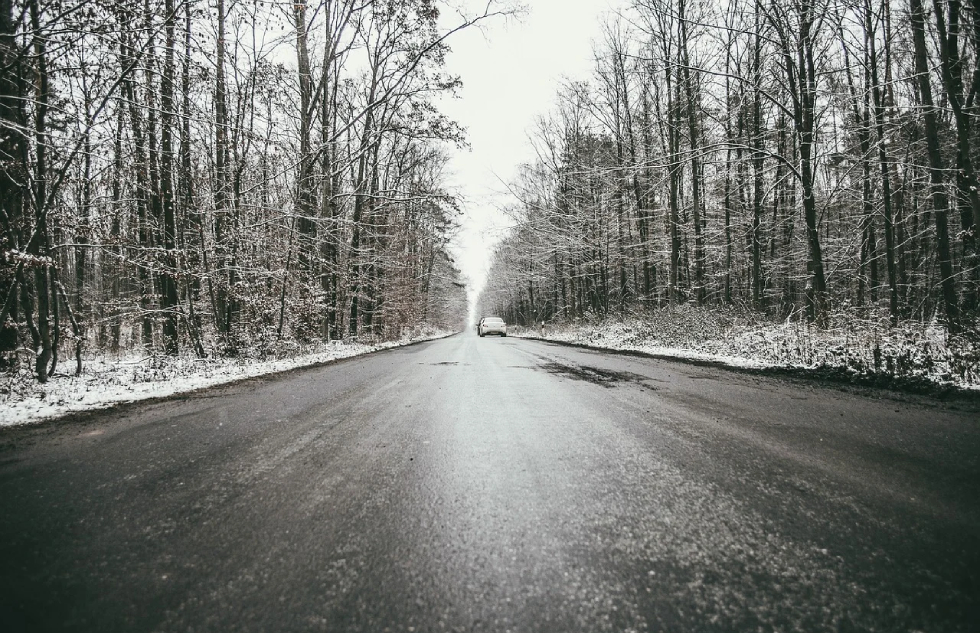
column 511, row 72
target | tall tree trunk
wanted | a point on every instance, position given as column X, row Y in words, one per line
column 758, row 163
column 328, row 210
column 153, row 289
column 644, row 212
column 797, row 43
column 362, row 202
column 883, row 162
column 169, row 301
column 862, row 116
column 951, row 66
column 220, row 291
column 940, row 202
column 13, row 155
column 115, row 230
column 190, row 220
column 674, row 163
column 38, row 246
column 697, row 174
column 84, row 229
column 727, row 202
column 304, row 180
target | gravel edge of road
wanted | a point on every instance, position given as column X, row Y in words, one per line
column 876, row 386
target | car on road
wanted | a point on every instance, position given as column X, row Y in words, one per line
column 492, row 325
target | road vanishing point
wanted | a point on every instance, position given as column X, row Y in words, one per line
column 477, row 484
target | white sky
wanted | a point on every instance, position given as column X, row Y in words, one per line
column 511, row 72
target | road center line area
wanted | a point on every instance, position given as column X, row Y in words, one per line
column 478, row 484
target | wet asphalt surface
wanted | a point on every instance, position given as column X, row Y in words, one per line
column 476, row 484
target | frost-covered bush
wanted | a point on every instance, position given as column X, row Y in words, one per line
column 851, row 344
column 963, row 358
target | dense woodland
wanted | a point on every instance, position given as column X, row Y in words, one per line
column 219, row 177
column 812, row 159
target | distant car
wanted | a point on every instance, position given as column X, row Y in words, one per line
column 492, row 325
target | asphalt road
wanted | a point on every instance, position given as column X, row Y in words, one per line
column 476, row 484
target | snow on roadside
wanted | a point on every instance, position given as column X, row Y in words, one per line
column 618, row 340
column 860, row 350
column 106, row 382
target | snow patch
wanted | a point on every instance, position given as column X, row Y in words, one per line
column 106, row 381
column 920, row 353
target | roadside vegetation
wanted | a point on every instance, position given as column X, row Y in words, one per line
column 111, row 379
column 224, row 179
column 910, row 356
column 794, row 184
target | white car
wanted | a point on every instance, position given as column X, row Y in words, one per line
column 492, row 325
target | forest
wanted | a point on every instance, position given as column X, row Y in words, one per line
column 808, row 161
column 223, row 178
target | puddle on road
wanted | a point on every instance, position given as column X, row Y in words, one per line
column 602, row 377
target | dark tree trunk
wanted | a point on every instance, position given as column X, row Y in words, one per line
column 697, row 175
column 940, row 202
column 220, row 294
column 886, row 190
column 12, row 175
column 169, row 301
column 39, row 245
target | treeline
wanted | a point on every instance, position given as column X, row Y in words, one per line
column 220, row 176
column 814, row 157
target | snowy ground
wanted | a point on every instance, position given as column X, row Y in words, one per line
column 108, row 381
column 911, row 355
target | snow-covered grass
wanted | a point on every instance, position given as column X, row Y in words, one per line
column 111, row 380
column 851, row 347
